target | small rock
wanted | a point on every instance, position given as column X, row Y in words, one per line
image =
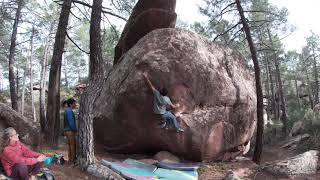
column 149, row 161
column 231, row 176
column 166, row 156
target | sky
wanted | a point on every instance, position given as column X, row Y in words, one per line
column 302, row 14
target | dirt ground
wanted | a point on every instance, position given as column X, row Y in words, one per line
column 71, row 172
column 246, row 169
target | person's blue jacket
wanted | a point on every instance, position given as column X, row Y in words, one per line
column 69, row 120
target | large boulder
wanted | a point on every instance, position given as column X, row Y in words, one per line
column 29, row 131
column 212, row 84
column 303, row 164
column 146, row 16
column 297, row 128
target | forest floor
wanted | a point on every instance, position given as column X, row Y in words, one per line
column 246, row 169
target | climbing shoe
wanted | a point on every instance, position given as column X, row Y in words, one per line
column 180, row 130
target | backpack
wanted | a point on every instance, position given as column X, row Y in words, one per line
column 45, row 174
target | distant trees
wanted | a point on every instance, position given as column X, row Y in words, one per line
column 251, row 21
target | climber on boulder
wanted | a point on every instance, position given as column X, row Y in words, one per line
column 161, row 100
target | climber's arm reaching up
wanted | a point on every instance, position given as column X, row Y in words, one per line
column 145, row 75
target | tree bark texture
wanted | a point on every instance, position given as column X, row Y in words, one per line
column 95, row 64
column 316, row 78
column 53, row 117
column 65, row 72
column 267, row 86
column 17, row 81
column 42, row 101
column 12, row 80
column 86, row 142
column 260, row 123
column 23, row 90
column 273, row 96
column 31, row 78
column 297, row 91
column 43, row 84
column 309, row 90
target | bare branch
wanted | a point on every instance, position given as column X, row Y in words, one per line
column 235, row 35
column 225, row 32
column 107, row 12
column 88, row 19
column 88, row 5
column 112, row 26
column 35, row 13
column 229, row 5
column 76, row 44
column 22, row 42
column 59, row 2
column 266, row 49
column 115, row 15
column 75, row 16
column 261, row 11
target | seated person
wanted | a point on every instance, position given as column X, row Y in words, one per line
column 17, row 159
column 161, row 100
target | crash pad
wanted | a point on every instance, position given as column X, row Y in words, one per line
column 130, row 172
column 178, row 166
column 167, row 174
column 139, row 164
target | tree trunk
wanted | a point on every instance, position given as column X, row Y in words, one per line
column 260, row 123
column 267, row 86
column 44, row 69
column 297, row 91
column 43, row 84
column 12, row 80
column 273, row 96
column 309, row 90
column 23, row 90
column 79, row 72
column 316, row 79
column 31, row 78
column 17, row 81
column 65, row 72
column 280, row 89
column 86, row 142
column 53, row 108
column 1, row 83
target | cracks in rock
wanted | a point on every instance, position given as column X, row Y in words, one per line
column 237, row 102
column 126, row 75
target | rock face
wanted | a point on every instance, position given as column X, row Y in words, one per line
column 302, row 164
column 297, row 128
column 214, row 88
column 29, row 131
column 146, row 16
